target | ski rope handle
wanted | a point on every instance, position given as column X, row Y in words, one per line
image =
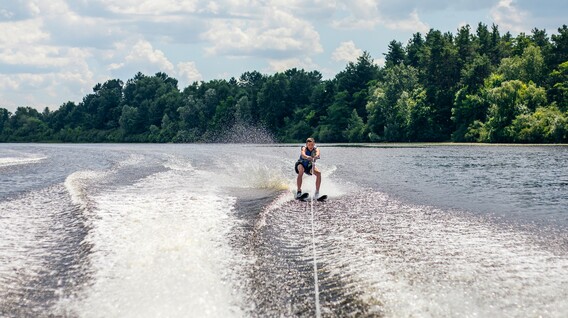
column 314, row 164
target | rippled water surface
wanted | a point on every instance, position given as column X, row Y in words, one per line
column 213, row 231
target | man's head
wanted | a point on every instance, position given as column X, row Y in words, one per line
column 310, row 143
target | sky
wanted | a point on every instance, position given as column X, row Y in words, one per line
column 54, row 51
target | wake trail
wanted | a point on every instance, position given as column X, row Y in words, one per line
column 316, row 284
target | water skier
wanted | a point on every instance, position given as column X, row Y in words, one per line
column 305, row 164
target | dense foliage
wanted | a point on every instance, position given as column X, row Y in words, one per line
column 473, row 86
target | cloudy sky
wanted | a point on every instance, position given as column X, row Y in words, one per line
column 56, row 51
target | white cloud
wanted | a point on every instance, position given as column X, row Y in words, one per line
column 34, row 71
column 412, row 24
column 286, row 64
column 26, row 32
column 346, row 52
column 508, row 16
column 380, row 62
column 143, row 52
column 6, row 14
column 369, row 14
column 34, row 8
column 277, row 33
column 188, row 73
column 401, row 8
column 129, row 58
column 358, row 14
column 308, row 9
column 363, row 9
column 150, row 7
column 45, row 90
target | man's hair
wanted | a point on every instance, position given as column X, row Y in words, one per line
column 310, row 140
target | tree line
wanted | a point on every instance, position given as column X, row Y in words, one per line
column 474, row 86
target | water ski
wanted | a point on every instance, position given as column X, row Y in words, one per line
column 322, row 198
column 303, row 197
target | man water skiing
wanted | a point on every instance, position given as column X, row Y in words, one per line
column 305, row 164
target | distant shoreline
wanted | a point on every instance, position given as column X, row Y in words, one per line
column 339, row 145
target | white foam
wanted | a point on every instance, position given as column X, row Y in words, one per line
column 14, row 161
column 27, row 236
column 132, row 160
column 78, row 182
column 176, row 163
column 253, row 174
column 160, row 249
column 419, row 261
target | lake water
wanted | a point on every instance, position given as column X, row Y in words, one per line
column 213, row 231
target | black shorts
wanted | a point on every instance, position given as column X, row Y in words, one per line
column 307, row 167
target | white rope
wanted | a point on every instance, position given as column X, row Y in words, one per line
column 318, row 312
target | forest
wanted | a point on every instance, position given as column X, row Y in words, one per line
column 473, row 86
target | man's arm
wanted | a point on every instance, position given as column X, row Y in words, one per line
column 304, row 152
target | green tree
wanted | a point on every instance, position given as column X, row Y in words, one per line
column 224, row 115
column 546, row 124
column 419, row 119
column 4, row 118
column 559, row 90
column 559, row 49
column 395, row 54
column 147, row 95
column 130, row 120
column 440, row 77
column 414, row 50
column 469, row 108
column 494, row 49
column 520, row 43
column 506, row 46
column 465, row 46
column 483, row 39
column 474, row 73
column 192, row 116
column 468, row 105
column 387, row 116
column 305, row 91
column 529, row 67
column 540, row 39
column 168, row 129
column 103, row 105
column 355, row 131
column 355, row 80
column 251, row 83
column 335, row 122
column 27, row 125
column 272, row 102
column 509, row 100
column 243, row 111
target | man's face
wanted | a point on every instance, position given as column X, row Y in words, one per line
column 311, row 145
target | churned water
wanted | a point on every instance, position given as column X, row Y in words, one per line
column 213, row 231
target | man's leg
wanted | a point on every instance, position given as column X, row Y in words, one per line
column 299, row 178
column 318, row 179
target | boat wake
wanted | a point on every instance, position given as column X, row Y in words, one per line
column 379, row 256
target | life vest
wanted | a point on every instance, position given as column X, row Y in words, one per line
column 308, row 153
column 305, row 162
